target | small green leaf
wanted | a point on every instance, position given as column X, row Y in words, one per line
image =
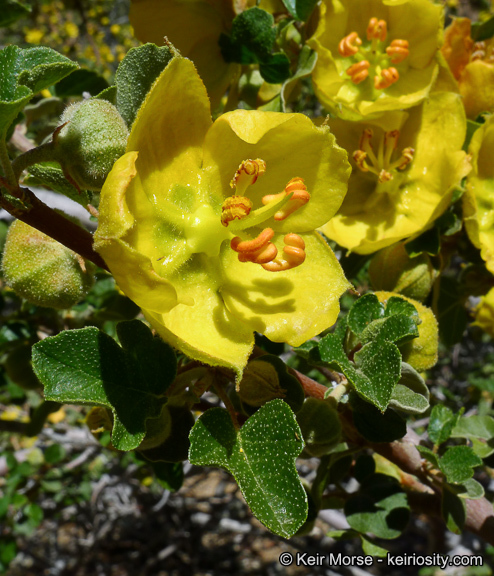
column 372, row 549
column 441, row 423
column 453, row 510
column 23, row 73
column 411, row 394
column 261, row 456
column 81, row 81
column 429, row 455
column 300, row 9
column 379, row 507
column 397, row 305
column 363, row 312
column 457, row 464
column 481, row 427
column 397, row 329
column 483, row 30
column 275, row 68
column 320, row 425
column 470, row 489
column 377, row 369
column 135, row 76
column 52, row 177
column 381, row 363
column 169, row 474
column 86, row 366
column 12, row 11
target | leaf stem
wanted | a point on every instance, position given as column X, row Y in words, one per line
column 43, row 153
column 6, row 163
column 46, row 220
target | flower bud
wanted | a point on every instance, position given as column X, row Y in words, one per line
column 260, row 384
column 42, row 270
column 393, row 270
column 320, row 426
column 92, row 137
column 421, row 352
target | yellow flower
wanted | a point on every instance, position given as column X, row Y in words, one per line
column 404, row 173
column 375, row 55
column 478, row 200
column 207, row 226
column 484, row 313
column 194, row 27
column 472, row 64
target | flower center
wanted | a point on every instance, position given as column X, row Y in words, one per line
column 483, row 51
column 373, row 58
column 238, row 215
column 381, row 163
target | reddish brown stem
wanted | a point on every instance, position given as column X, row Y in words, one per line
column 46, row 220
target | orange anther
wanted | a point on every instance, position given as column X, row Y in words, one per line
column 388, row 77
column 365, row 139
column 398, row 51
column 360, row 156
column 294, row 255
column 358, row 71
column 377, row 30
column 247, row 173
column 349, row 45
column 235, row 207
column 391, row 139
column 300, row 196
column 384, row 176
column 260, row 241
column 406, row 158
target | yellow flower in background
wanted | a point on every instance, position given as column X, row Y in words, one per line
column 375, row 55
column 478, row 200
column 484, row 313
column 209, row 228
column 404, row 173
column 472, row 64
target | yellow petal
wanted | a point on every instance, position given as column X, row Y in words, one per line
column 291, row 146
column 373, row 215
column 169, row 131
column 484, row 313
column 194, row 27
column 132, row 270
column 417, row 21
column 205, row 331
column 477, row 88
column 478, row 201
column 291, row 306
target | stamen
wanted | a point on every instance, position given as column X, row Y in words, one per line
column 365, row 144
column 388, row 77
column 398, row 51
column 390, row 145
column 377, row 30
column 294, row 255
column 260, row 250
column 406, row 158
column 300, row 196
column 358, row 71
column 384, row 176
column 360, row 156
column 247, row 174
column 235, row 207
column 349, row 45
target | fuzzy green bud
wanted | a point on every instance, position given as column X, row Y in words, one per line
column 260, row 384
column 320, row 426
column 42, row 270
column 92, row 137
column 392, row 270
